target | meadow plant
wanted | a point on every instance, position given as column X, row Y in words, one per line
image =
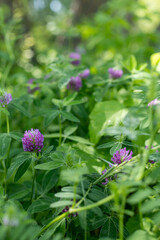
column 115, row 73
column 5, row 98
column 74, row 84
column 32, row 141
column 75, row 57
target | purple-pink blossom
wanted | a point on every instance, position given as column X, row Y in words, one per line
column 75, row 83
column 30, row 90
column 76, row 58
column 32, row 141
column 115, row 73
column 121, row 156
column 106, row 179
column 153, row 102
column 5, row 98
column 66, row 209
column 85, row 73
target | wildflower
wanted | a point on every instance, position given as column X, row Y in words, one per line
column 85, row 73
column 115, row 73
column 76, row 58
column 5, row 98
column 75, row 83
column 153, row 102
column 66, row 209
column 32, row 141
column 121, row 156
column 106, row 179
column 34, row 89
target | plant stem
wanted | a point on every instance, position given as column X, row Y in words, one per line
column 140, row 215
column 60, row 129
column 6, row 164
column 75, row 210
column 0, row 120
column 121, row 217
column 33, row 181
column 83, row 198
column 153, row 131
column 7, row 120
column 8, row 131
column 53, row 221
column 74, row 197
column 5, row 181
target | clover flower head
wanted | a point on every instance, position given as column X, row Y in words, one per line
column 153, row 102
column 85, row 73
column 5, row 98
column 115, row 73
column 75, row 83
column 32, row 141
column 121, row 156
column 106, row 179
column 76, row 58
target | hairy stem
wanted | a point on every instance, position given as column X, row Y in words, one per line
column 33, row 181
column 75, row 210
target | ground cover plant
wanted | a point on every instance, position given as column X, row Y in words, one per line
column 79, row 133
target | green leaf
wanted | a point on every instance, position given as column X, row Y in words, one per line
column 140, row 195
column 69, row 99
column 50, row 117
column 4, row 110
column 76, row 102
column 16, row 135
column 49, row 165
column 96, row 224
column 5, row 141
column 16, row 105
column 69, row 116
column 67, row 195
column 106, row 145
column 73, row 175
column 39, row 205
column 110, row 228
column 80, row 140
column 22, row 169
column 18, row 161
column 116, row 147
column 131, row 63
column 19, row 192
column 155, row 59
column 69, row 130
column 47, row 235
column 58, row 160
column 104, row 114
column 74, row 138
column 149, row 205
column 61, row 204
column 96, row 210
column 139, row 235
column 47, row 150
column 49, row 180
column 57, row 102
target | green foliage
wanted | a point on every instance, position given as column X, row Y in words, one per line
column 72, row 189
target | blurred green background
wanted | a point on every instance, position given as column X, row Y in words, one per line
column 34, row 32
